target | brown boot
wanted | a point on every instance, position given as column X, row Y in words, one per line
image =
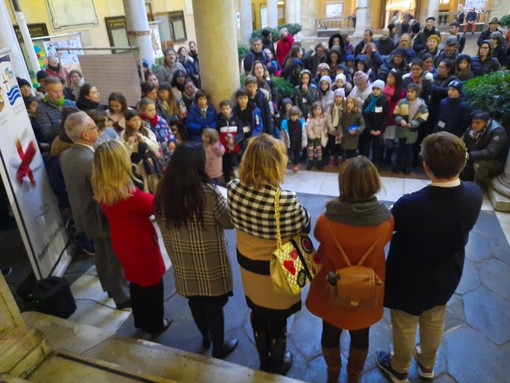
column 334, row 363
column 356, row 363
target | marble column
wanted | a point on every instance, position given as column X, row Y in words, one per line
column 292, row 11
column 308, row 14
column 272, row 13
column 246, row 21
column 8, row 40
column 432, row 9
column 362, row 16
column 219, row 63
column 138, row 30
column 499, row 192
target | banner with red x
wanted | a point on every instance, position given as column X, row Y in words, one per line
column 26, row 159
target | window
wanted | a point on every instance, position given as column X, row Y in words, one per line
column 178, row 25
column 171, row 27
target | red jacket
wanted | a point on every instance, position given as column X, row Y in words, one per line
column 283, row 49
column 134, row 238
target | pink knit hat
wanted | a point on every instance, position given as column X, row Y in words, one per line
column 360, row 78
column 322, row 66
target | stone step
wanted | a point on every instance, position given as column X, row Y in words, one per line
column 139, row 356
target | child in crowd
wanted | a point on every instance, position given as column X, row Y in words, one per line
column 31, row 103
column 306, row 92
column 325, row 95
column 294, row 126
column 317, row 133
column 249, row 115
column 144, row 150
column 175, row 110
column 201, row 115
column 463, row 67
column 286, row 105
column 341, row 83
column 231, row 134
column 352, row 126
column 349, row 63
column 362, row 88
column 322, row 70
column 394, row 92
column 335, row 131
column 160, row 128
column 375, row 113
column 106, row 131
column 410, row 113
column 257, row 99
column 117, row 108
column 214, row 151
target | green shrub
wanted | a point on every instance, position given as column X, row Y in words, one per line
column 505, row 21
column 283, row 88
column 242, row 51
column 491, row 93
column 293, row 29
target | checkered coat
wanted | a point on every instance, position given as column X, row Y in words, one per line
column 199, row 255
column 252, row 213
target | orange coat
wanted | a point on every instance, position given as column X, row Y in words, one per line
column 355, row 241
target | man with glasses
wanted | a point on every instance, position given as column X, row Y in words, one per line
column 76, row 163
column 405, row 43
column 170, row 64
column 449, row 51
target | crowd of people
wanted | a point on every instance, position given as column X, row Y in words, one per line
column 114, row 166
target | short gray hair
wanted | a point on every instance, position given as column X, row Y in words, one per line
column 76, row 124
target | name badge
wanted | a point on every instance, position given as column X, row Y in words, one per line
column 441, row 124
column 246, row 129
column 304, row 100
column 378, row 109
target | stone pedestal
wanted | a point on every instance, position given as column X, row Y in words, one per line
column 138, row 30
column 272, row 13
column 246, row 21
column 218, row 60
column 499, row 190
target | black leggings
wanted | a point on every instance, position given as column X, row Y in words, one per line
column 274, row 327
column 331, row 337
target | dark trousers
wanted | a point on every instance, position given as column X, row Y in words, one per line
column 208, row 315
column 296, row 155
column 404, row 154
column 367, row 142
column 331, row 337
column 229, row 161
column 147, row 305
column 349, row 153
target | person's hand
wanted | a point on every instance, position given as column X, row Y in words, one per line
column 139, row 136
column 132, row 139
column 352, row 132
column 305, row 88
column 403, row 123
column 171, row 145
column 375, row 132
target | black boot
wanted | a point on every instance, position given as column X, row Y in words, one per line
column 387, row 159
column 309, row 165
column 216, row 327
column 261, row 336
column 281, row 359
column 198, row 314
column 320, row 165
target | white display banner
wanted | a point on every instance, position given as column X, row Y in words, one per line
column 68, row 57
column 24, row 176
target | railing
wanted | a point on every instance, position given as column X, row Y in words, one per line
column 445, row 18
column 347, row 22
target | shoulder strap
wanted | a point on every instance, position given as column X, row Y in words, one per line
column 346, row 259
column 277, row 217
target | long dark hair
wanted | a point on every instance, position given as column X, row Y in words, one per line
column 174, row 83
column 397, row 74
column 180, row 196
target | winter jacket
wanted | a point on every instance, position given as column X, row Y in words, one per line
column 425, row 84
column 253, row 56
column 377, row 120
column 232, row 126
column 304, row 100
column 196, row 122
column 420, row 41
column 256, row 126
column 48, row 117
column 304, row 138
column 454, row 116
column 283, row 48
column 317, row 128
column 480, row 68
column 166, row 73
column 401, row 112
column 351, row 141
column 260, row 102
column 388, row 65
column 491, row 144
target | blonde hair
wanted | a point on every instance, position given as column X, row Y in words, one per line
column 264, row 162
column 211, row 136
column 358, row 180
column 112, row 177
column 356, row 107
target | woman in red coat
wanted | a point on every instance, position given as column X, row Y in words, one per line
column 356, row 219
column 134, row 237
column 283, row 45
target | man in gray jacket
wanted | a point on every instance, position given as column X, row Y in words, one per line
column 76, row 163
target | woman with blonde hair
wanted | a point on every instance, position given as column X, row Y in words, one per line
column 356, row 221
column 133, row 235
column 251, row 200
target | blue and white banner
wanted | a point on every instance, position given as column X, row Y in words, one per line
column 24, row 176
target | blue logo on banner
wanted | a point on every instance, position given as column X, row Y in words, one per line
column 13, row 94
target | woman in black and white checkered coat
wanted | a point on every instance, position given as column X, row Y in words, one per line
column 251, row 202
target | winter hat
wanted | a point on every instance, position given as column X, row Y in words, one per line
column 360, row 78
column 434, row 37
column 455, row 84
column 22, row 82
column 379, row 84
column 451, row 41
column 327, row 79
column 321, row 67
column 349, row 57
column 494, row 20
column 400, row 51
column 342, row 77
column 340, row 92
column 42, row 74
column 430, row 18
column 463, row 56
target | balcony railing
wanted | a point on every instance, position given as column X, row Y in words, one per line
column 445, row 18
column 335, row 23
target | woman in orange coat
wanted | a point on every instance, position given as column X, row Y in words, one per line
column 357, row 220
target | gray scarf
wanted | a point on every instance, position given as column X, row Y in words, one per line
column 369, row 212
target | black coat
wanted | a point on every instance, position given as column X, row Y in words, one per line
column 454, row 116
column 492, row 144
column 376, row 120
column 426, row 256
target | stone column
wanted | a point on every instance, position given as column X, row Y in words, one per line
column 308, row 14
column 219, row 63
column 292, row 11
column 22, row 24
column 499, row 193
column 272, row 13
column 246, row 21
column 361, row 18
column 138, row 30
column 432, row 9
column 8, row 40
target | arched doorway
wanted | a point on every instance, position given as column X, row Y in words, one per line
column 397, row 8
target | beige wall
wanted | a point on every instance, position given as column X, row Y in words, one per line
column 160, row 6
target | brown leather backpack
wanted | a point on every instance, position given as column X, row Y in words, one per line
column 355, row 286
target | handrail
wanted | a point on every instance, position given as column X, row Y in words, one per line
column 445, row 18
column 334, row 23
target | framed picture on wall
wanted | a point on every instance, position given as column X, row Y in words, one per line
column 65, row 13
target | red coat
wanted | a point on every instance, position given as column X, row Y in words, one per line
column 283, row 49
column 134, row 238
